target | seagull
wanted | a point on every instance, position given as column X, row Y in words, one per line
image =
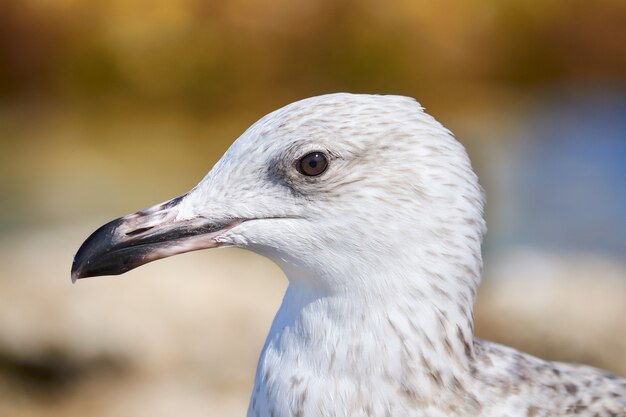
column 374, row 213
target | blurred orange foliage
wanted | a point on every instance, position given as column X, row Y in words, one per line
column 217, row 54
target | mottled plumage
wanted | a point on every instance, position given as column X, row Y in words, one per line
column 382, row 253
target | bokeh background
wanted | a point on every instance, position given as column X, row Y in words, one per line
column 109, row 106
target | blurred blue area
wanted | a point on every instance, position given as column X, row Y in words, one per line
column 565, row 180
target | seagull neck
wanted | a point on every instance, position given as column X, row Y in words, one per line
column 429, row 315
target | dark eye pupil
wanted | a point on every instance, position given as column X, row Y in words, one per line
column 312, row 164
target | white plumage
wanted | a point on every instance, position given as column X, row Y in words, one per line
column 382, row 252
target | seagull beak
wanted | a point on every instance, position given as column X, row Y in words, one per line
column 154, row 233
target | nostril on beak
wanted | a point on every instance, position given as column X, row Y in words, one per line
column 138, row 231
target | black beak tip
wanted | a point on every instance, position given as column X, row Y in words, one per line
column 93, row 257
column 80, row 265
column 75, row 275
column 77, row 272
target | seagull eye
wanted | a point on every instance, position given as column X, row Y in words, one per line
column 312, row 164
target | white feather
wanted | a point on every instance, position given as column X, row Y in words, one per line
column 382, row 253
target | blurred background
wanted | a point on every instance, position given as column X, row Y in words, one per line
column 107, row 107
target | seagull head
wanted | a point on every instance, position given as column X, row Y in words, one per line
column 342, row 191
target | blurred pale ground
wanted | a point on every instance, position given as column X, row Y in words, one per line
column 107, row 107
